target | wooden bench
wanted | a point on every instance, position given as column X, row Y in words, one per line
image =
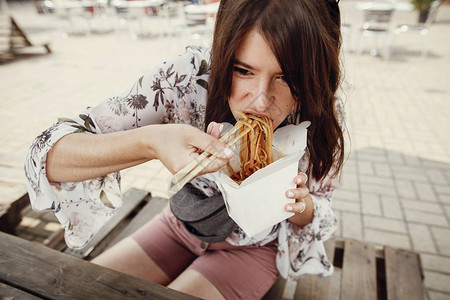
column 31, row 271
column 362, row 271
column 14, row 41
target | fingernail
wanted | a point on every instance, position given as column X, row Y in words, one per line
column 303, row 208
column 221, row 127
column 299, row 180
column 227, row 152
column 290, row 194
column 289, row 208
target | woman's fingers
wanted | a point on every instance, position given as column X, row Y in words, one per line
column 210, row 127
column 297, row 193
column 297, row 207
column 214, row 129
column 214, row 166
column 217, row 148
column 211, row 144
column 301, row 178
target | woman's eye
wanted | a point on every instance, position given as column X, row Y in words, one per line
column 241, row 71
column 281, row 78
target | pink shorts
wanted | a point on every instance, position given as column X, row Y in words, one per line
column 238, row 272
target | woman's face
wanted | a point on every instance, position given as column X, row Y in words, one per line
column 258, row 85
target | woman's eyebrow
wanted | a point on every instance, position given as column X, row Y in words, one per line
column 245, row 65
column 237, row 62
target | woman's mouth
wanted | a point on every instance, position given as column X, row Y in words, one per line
column 259, row 114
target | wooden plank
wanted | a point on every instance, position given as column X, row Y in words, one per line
column 404, row 278
column 54, row 239
column 339, row 247
column 54, row 275
column 132, row 199
column 358, row 272
column 154, row 206
column 10, row 292
column 277, row 290
column 314, row 287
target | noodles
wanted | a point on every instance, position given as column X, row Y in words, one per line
column 256, row 146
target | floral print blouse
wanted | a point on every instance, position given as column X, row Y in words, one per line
column 174, row 92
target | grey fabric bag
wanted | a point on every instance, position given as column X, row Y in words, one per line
column 204, row 217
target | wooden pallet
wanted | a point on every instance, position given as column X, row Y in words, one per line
column 364, row 271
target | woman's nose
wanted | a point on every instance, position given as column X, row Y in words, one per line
column 263, row 98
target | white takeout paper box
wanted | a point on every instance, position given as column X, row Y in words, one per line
column 258, row 203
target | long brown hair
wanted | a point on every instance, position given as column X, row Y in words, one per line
column 305, row 37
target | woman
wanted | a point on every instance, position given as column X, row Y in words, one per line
column 274, row 58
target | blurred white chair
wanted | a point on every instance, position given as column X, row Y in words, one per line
column 69, row 17
column 421, row 29
column 377, row 25
column 200, row 19
column 174, row 19
column 142, row 18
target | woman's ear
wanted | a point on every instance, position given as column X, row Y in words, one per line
column 295, row 108
column 294, row 115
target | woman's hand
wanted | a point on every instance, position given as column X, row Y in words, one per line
column 180, row 144
column 303, row 206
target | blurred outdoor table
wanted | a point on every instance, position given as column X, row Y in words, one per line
column 32, row 271
column 73, row 4
column 138, row 3
column 210, row 8
column 375, row 5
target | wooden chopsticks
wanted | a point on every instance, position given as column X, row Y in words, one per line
column 202, row 161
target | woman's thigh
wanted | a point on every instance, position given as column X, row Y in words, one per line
column 161, row 242
column 127, row 256
column 153, row 252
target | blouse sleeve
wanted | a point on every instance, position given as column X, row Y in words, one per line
column 302, row 249
column 160, row 96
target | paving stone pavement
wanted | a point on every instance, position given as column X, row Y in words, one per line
column 396, row 181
